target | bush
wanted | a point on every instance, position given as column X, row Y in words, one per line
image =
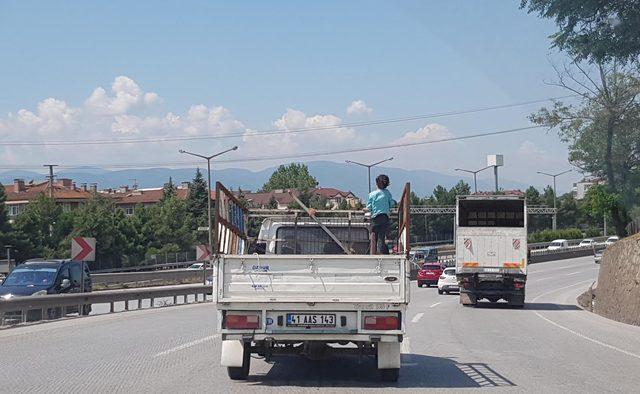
column 593, row 232
column 550, row 235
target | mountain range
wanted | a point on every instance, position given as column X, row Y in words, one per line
column 329, row 174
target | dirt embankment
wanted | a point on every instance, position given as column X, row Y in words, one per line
column 617, row 296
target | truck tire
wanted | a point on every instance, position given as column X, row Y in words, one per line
column 241, row 373
column 516, row 301
column 467, row 299
column 389, row 375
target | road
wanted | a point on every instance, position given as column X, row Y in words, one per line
column 549, row 346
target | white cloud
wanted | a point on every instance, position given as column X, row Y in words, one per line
column 52, row 116
column 126, row 94
column 530, row 149
column 359, row 107
column 430, row 132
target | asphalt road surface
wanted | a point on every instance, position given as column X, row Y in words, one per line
column 549, row 346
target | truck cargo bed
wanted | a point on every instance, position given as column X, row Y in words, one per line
column 312, row 278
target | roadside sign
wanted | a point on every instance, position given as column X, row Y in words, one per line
column 83, row 249
column 203, row 252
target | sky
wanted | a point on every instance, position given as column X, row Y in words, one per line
column 75, row 72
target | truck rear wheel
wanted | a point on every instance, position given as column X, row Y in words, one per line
column 467, row 299
column 241, row 373
column 517, row 301
column 390, row 374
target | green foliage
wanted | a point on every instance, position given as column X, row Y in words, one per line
column 98, row 218
column 311, row 200
column 4, row 220
column 169, row 190
column 594, row 30
column 197, row 199
column 550, row 235
column 292, row 176
column 603, row 131
column 599, row 201
column 273, row 203
column 39, row 229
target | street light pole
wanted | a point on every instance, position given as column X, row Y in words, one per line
column 368, row 167
column 209, row 226
column 475, row 173
column 555, row 213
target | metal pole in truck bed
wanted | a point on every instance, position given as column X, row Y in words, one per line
column 326, row 230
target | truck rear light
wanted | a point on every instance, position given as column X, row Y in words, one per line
column 237, row 321
column 518, row 285
column 373, row 322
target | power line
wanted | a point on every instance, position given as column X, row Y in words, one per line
column 297, row 155
column 268, row 132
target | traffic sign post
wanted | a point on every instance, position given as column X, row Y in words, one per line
column 203, row 252
column 83, row 249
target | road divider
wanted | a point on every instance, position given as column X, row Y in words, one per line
column 20, row 310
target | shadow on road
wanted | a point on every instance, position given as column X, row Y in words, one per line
column 532, row 306
column 417, row 371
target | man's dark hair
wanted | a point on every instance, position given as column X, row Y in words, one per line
column 382, row 181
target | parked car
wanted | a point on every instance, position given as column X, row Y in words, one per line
column 597, row 256
column 42, row 277
column 448, row 281
column 196, row 266
column 588, row 242
column 611, row 240
column 429, row 274
column 558, row 244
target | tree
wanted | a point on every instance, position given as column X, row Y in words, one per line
column 4, row 221
column 169, row 190
column 99, row 218
column 197, row 199
column 292, row 176
column 273, row 203
column 39, row 228
column 603, row 130
column 593, row 30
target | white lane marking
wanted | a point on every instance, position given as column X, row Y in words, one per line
column 405, row 348
column 436, row 304
column 573, row 273
column 417, row 317
column 597, row 342
column 186, row 345
column 531, row 271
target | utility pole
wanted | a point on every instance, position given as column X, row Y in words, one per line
column 209, row 225
column 495, row 161
column 368, row 167
column 50, row 177
column 475, row 173
column 555, row 212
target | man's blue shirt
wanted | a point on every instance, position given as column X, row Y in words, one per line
column 379, row 202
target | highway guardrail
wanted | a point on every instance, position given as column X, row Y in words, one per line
column 47, row 307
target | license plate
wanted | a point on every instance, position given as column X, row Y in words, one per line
column 310, row 320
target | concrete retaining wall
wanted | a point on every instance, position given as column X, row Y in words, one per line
column 618, row 290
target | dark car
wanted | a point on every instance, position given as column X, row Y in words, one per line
column 42, row 277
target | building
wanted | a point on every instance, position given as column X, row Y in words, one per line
column 130, row 199
column 283, row 198
column 581, row 188
column 64, row 191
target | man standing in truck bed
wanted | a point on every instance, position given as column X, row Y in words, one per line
column 379, row 204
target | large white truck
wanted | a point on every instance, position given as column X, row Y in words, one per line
column 306, row 295
column 491, row 248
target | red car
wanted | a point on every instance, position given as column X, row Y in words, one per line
column 429, row 274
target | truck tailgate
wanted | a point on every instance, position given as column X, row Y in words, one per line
column 312, row 278
column 491, row 250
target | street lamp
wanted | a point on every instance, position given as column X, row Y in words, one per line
column 475, row 182
column 368, row 167
column 555, row 214
column 208, row 159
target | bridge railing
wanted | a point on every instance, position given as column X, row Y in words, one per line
column 48, row 307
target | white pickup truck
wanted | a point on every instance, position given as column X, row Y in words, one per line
column 303, row 298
